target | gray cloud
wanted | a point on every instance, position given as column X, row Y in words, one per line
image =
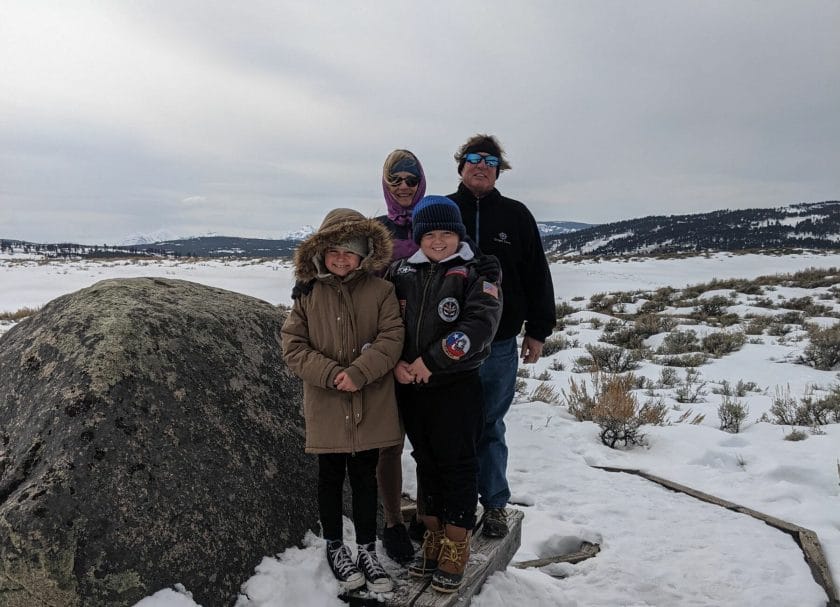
column 120, row 118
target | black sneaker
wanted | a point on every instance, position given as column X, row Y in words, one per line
column 495, row 523
column 397, row 544
column 343, row 567
column 374, row 574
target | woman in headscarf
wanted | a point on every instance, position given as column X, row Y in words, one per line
column 403, row 184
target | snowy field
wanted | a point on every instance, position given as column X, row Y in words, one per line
column 657, row 547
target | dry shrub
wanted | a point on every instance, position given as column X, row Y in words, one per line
column 796, row 435
column 692, row 359
column 613, row 406
column 719, row 344
column 554, row 344
column 679, row 342
column 810, row 411
column 18, row 314
column 757, row 325
column 824, row 350
column 545, row 393
column 732, row 414
column 694, row 421
column 613, row 360
column 651, row 324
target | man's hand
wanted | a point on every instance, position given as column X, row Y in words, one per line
column 531, row 350
column 344, row 383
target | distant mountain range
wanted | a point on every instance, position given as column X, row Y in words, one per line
column 796, row 226
column 161, row 243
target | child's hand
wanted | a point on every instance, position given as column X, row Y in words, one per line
column 344, row 383
column 419, row 371
column 403, row 374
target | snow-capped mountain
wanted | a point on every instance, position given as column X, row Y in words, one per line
column 795, row 226
column 139, row 239
column 550, row 228
column 299, row 234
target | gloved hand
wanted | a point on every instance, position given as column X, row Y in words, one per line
column 488, row 266
column 302, row 288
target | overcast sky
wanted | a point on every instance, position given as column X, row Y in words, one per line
column 255, row 118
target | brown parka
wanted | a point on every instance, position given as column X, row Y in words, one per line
column 350, row 324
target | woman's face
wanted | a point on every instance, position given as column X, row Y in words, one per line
column 398, row 184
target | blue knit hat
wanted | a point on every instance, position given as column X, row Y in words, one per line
column 437, row 213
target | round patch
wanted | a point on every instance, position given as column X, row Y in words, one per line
column 456, row 345
column 448, row 309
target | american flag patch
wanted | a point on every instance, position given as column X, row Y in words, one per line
column 457, row 271
column 490, row 289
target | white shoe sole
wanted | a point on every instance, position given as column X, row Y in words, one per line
column 353, row 582
column 383, row 585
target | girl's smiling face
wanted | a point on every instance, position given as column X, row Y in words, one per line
column 341, row 261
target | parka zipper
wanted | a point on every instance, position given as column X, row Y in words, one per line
column 477, row 213
column 345, row 353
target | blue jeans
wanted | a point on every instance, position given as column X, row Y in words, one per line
column 498, row 380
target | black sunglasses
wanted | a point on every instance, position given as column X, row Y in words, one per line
column 411, row 181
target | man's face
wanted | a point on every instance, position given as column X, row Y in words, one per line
column 479, row 178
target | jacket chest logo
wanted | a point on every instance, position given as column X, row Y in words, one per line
column 502, row 238
column 449, row 309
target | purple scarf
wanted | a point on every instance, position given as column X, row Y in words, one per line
column 402, row 216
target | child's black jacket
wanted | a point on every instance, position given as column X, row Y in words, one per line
column 451, row 312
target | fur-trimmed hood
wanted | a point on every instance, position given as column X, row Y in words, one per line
column 341, row 225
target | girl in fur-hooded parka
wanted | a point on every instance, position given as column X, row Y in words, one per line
column 343, row 337
column 349, row 324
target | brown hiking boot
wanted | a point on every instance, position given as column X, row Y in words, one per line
column 454, row 554
column 426, row 561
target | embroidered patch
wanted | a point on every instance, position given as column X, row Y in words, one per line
column 455, row 345
column 502, row 238
column 490, row 289
column 406, row 269
column 448, row 309
column 457, row 271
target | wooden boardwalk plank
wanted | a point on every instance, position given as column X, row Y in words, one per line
column 486, row 557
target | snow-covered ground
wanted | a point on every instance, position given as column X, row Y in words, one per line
column 657, row 547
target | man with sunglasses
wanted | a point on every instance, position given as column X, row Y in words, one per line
column 505, row 228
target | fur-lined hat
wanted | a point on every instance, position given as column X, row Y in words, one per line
column 348, row 229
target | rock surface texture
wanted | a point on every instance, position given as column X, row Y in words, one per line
column 150, row 434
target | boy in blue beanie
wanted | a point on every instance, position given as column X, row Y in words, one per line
column 451, row 312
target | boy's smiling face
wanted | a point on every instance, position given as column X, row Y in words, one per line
column 341, row 261
column 439, row 244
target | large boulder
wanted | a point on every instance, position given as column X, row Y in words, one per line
column 150, row 434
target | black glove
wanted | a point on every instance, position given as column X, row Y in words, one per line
column 488, row 266
column 302, row 288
